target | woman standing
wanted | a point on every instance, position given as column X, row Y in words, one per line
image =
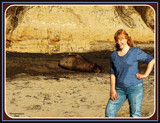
column 126, row 81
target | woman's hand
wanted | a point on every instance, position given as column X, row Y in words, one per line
column 113, row 94
column 140, row 76
column 148, row 70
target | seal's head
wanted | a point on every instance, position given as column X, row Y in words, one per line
column 98, row 69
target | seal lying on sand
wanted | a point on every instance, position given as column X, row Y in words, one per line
column 79, row 63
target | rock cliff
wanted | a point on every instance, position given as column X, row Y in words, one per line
column 54, row 29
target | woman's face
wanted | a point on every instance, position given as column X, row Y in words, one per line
column 122, row 41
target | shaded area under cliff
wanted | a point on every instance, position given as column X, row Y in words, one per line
column 47, row 65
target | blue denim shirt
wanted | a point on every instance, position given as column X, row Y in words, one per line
column 125, row 67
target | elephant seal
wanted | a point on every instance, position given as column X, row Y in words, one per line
column 79, row 63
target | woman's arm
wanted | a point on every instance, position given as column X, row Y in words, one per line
column 148, row 70
column 113, row 92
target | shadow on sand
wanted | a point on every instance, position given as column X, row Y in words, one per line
column 36, row 64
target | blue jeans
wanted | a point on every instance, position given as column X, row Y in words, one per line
column 134, row 94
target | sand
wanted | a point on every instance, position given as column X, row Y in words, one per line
column 36, row 87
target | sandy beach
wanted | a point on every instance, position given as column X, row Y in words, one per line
column 37, row 87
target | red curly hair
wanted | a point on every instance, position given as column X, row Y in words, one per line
column 129, row 41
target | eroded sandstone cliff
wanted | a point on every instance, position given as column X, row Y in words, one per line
column 53, row 29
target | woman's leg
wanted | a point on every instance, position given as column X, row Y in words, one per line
column 135, row 97
column 114, row 106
